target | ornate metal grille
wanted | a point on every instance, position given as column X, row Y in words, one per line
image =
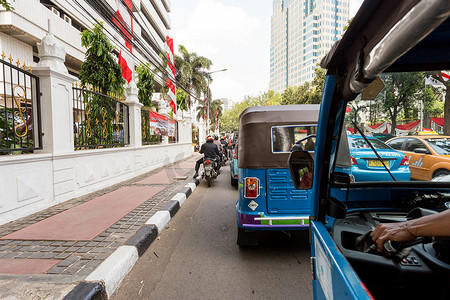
column 99, row 121
column 20, row 112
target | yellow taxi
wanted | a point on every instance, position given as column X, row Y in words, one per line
column 429, row 155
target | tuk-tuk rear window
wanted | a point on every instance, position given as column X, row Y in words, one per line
column 284, row 137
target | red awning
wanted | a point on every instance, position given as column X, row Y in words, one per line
column 438, row 121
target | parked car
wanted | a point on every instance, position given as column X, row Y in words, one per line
column 429, row 155
column 365, row 165
column 381, row 136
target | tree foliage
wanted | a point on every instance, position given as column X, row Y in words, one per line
column 101, row 71
column 446, row 83
column 230, row 119
column 308, row 93
column 181, row 100
column 100, row 68
column 6, row 5
column 145, row 84
column 402, row 90
column 192, row 73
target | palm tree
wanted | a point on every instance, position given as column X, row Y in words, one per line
column 192, row 73
column 215, row 107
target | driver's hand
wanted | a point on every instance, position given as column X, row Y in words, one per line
column 391, row 231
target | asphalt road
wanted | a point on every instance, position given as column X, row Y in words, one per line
column 196, row 256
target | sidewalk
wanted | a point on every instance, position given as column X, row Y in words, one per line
column 82, row 249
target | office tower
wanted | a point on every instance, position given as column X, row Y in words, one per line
column 302, row 32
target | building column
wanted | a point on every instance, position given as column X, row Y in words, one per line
column 56, row 97
column 185, row 127
column 134, row 107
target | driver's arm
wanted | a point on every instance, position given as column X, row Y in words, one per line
column 432, row 225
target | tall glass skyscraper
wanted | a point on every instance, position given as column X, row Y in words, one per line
column 302, row 32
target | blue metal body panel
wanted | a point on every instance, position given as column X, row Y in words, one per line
column 277, row 198
column 334, row 278
column 282, row 197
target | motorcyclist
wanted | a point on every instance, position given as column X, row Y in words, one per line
column 223, row 142
column 219, row 146
column 209, row 150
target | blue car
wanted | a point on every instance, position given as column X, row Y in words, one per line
column 234, row 171
column 365, row 166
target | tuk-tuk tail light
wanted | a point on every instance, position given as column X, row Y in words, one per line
column 353, row 160
column 251, row 187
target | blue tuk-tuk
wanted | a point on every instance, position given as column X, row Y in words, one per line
column 267, row 197
column 391, row 62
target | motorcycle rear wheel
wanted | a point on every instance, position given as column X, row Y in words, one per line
column 208, row 180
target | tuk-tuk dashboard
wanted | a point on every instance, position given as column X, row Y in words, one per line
column 421, row 270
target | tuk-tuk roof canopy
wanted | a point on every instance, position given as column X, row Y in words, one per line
column 277, row 114
column 386, row 35
column 255, row 136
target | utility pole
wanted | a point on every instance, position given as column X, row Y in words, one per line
column 209, row 101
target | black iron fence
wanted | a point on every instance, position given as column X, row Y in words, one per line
column 20, row 112
column 99, row 121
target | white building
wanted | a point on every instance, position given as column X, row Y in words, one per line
column 27, row 24
column 302, row 32
column 46, row 36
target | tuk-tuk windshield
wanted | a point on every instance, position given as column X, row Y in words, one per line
column 284, row 137
column 408, row 107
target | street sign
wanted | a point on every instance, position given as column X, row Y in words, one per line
column 373, row 89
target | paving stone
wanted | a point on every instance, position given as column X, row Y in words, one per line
column 101, row 256
column 63, row 255
column 36, row 255
column 48, row 249
column 80, row 244
column 24, row 255
column 26, row 243
column 35, row 249
column 67, row 262
column 92, row 244
column 60, row 249
column 88, row 256
column 49, row 255
column 70, row 271
column 68, row 244
column 84, row 250
column 56, row 270
column 84, row 271
column 96, row 250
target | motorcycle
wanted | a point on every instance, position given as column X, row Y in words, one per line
column 209, row 170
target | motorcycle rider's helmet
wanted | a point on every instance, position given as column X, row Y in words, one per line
column 210, row 138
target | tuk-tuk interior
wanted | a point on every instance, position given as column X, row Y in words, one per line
column 403, row 43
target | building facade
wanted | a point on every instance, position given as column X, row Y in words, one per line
column 302, row 32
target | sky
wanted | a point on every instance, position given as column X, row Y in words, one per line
column 234, row 35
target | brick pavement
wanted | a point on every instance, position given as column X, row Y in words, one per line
column 78, row 258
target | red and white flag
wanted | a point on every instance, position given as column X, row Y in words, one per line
column 171, row 71
column 123, row 19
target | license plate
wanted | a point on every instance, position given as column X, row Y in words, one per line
column 377, row 163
